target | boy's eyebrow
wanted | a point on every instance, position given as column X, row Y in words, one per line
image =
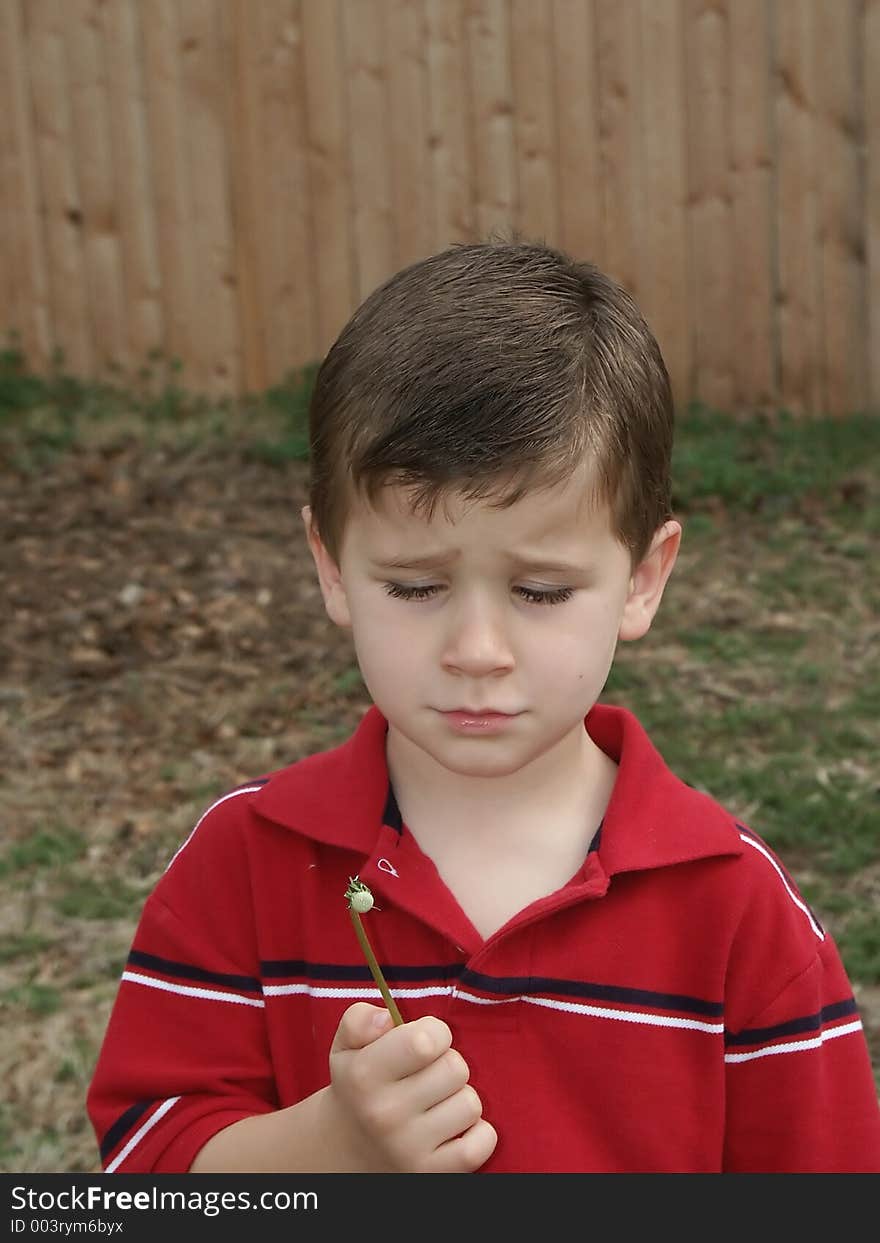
column 544, row 563
column 432, row 560
column 556, row 564
column 416, row 563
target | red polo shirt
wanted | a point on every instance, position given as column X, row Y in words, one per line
column 676, row 1007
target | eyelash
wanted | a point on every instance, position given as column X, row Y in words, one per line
column 558, row 595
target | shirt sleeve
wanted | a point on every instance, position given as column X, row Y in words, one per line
column 800, row 1090
column 186, row 1052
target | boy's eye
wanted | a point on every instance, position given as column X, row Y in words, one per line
column 401, row 592
column 532, row 595
column 555, row 595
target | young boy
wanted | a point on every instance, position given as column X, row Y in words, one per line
column 599, row 968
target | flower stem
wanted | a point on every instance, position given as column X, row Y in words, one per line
column 374, row 967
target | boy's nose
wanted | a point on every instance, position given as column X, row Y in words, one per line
column 477, row 643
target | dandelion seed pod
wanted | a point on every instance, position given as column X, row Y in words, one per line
column 361, row 901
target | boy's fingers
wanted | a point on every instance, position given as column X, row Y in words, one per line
column 412, row 1047
column 420, row 1043
column 359, row 1026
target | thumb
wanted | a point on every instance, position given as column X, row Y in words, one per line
column 360, row 1025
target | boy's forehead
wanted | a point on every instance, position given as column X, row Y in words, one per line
column 559, row 510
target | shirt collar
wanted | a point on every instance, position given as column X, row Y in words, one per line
column 653, row 819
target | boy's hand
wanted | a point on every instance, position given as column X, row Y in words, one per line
column 404, row 1097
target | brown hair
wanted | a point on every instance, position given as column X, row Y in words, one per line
column 490, row 369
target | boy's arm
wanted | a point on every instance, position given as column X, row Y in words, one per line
column 304, row 1137
column 185, row 1077
column 186, row 1050
column 801, row 1096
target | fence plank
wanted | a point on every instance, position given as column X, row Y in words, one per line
column 58, row 189
column 534, row 118
column 12, row 307
column 286, row 250
column 753, row 327
column 619, row 113
column 841, row 208
column 275, row 269
column 665, row 294
column 413, row 205
column 871, row 79
column 249, row 195
column 331, row 196
column 796, row 210
column 90, row 139
column 577, row 111
column 488, row 46
column 133, row 198
column 175, row 224
column 370, row 160
column 203, row 76
column 25, row 282
column 709, row 222
column 451, row 123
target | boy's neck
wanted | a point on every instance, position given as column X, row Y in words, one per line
column 568, row 781
column 530, row 832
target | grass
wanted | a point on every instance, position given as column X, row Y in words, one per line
column 772, row 464
column 48, row 849
column 42, row 417
column 38, row 999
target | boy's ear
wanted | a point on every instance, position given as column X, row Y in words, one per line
column 329, row 576
column 648, row 580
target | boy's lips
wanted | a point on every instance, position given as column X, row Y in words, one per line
column 476, row 712
column 484, row 721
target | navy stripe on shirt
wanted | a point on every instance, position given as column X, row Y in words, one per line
column 597, row 992
column 508, row 985
column 511, row 986
column 185, row 971
column 285, row 968
column 122, row 1126
column 809, row 1023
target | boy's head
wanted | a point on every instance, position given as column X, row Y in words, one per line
column 492, row 370
column 525, row 393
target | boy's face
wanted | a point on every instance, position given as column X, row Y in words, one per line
column 515, row 611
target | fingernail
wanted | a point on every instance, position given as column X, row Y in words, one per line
column 381, row 1020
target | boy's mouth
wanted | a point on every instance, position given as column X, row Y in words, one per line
column 483, row 720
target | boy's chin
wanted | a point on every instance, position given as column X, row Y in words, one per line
column 493, row 758
column 459, row 754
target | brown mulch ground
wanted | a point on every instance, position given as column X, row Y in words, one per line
column 162, row 635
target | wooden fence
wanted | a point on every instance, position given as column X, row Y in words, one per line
column 222, row 181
